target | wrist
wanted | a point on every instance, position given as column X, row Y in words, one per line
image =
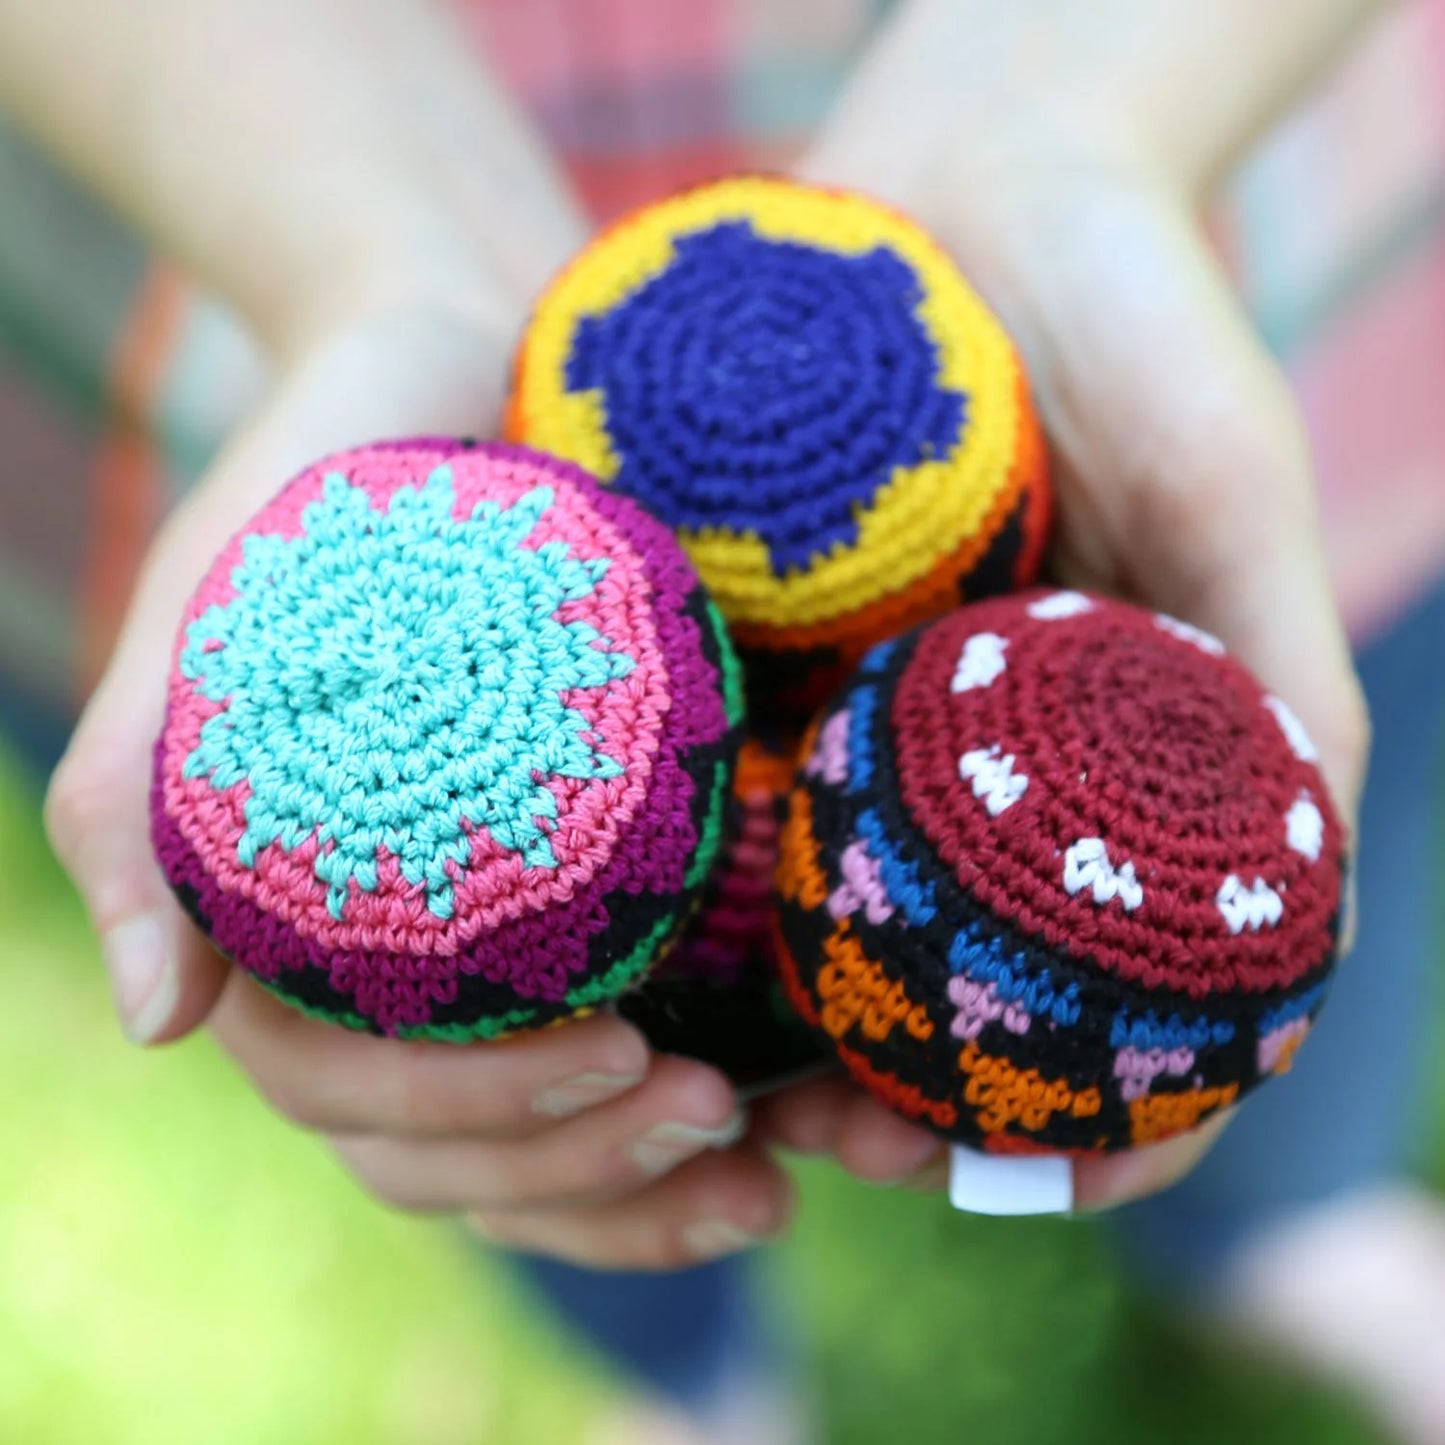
column 399, row 254
column 378, row 274
column 1167, row 92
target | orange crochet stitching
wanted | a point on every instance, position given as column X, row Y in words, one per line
column 1022, row 1144
column 1157, row 1116
column 763, row 773
column 800, row 875
column 1284, row 1062
column 855, row 990
column 892, row 1090
column 1003, row 1094
column 798, row 996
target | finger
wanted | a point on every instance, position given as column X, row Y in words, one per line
column 834, row 1116
column 391, row 373
column 163, row 977
column 714, row 1206
column 340, row 1082
column 876, row 1145
column 1107, row 1181
column 680, row 1110
column 804, row 1117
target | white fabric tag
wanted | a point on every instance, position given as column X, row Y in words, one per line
column 1010, row 1183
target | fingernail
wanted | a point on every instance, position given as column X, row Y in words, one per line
column 584, row 1091
column 665, row 1146
column 713, row 1238
column 933, row 1175
column 923, row 1154
column 143, row 977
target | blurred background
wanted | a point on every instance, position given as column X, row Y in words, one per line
column 177, row 1265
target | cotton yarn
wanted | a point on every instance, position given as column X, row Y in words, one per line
column 449, row 739
column 803, row 385
column 1059, row 875
column 718, row 995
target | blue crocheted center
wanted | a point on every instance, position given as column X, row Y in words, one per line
column 393, row 679
column 769, row 387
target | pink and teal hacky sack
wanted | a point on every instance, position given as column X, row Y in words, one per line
column 449, row 737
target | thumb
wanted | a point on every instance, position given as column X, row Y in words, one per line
column 389, row 374
column 164, row 980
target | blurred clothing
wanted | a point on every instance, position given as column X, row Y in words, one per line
column 692, row 1338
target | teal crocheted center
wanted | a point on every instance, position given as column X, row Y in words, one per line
column 393, row 678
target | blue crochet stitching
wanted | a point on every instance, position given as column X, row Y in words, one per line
column 984, row 960
column 1293, row 1008
column 862, row 705
column 1147, row 1031
column 905, row 890
column 394, row 679
column 767, row 386
column 876, row 659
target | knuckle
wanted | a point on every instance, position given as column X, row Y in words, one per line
column 539, row 1177
column 423, row 1098
column 388, row 1181
column 401, row 1194
column 288, row 1094
column 498, row 1228
column 663, row 1246
column 1197, row 475
column 407, row 1198
column 77, row 798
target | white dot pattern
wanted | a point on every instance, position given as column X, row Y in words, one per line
column 1059, row 605
column 1253, row 907
column 993, row 777
column 1087, row 866
column 981, row 662
column 1305, row 827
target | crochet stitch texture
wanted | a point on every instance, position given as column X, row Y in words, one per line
column 803, row 385
column 717, row 996
column 1058, row 874
column 449, row 739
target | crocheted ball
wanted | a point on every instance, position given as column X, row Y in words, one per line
column 718, row 995
column 1059, row 874
column 449, row 739
column 804, row 386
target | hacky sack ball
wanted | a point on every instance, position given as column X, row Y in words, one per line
column 1059, row 875
column 803, row 385
column 449, row 737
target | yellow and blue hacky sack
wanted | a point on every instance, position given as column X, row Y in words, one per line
column 802, row 384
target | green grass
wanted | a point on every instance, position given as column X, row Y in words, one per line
column 178, row 1265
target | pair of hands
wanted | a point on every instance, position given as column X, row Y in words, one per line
column 1183, row 482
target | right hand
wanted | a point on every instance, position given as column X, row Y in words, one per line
column 574, row 1141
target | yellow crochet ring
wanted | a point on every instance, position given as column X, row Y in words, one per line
column 804, row 386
